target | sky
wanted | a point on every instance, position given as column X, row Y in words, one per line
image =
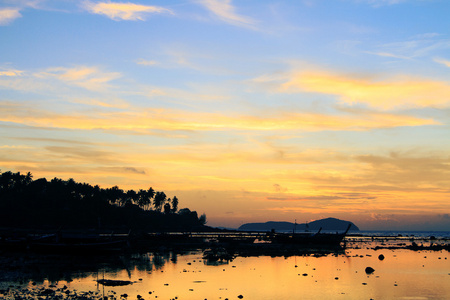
column 247, row 111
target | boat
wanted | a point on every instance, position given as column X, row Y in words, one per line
column 309, row 239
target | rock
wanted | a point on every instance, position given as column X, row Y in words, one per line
column 381, row 257
column 240, row 296
column 47, row 292
column 107, row 282
column 369, row 270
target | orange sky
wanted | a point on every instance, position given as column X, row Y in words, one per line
column 248, row 112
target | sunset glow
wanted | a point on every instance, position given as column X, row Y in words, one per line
column 247, row 111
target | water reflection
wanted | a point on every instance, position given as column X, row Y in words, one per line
column 332, row 274
column 39, row 268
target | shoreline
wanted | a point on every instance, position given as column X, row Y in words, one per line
column 57, row 271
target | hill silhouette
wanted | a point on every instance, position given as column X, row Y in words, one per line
column 325, row 224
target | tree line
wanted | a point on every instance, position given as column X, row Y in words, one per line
column 69, row 202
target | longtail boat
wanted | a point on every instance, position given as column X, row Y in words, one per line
column 307, row 238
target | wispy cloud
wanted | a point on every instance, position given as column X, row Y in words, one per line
column 378, row 3
column 386, row 54
column 408, row 170
column 8, row 15
column 415, row 47
column 443, row 61
column 124, row 11
column 145, row 62
column 11, row 72
column 226, row 12
column 26, row 3
column 145, row 120
column 90, row 78
column 401, row 91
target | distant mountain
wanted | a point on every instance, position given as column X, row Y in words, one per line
column 325, row 224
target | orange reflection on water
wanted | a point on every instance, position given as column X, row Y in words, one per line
column 402, row 274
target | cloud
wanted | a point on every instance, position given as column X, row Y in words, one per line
column 82, row 154
column 397, row 92
column 382, row 217
column 124, row 11
column 306, row 198
column 121, row 170
column 146, row 62
column 225, row 11
column 407, row 170
column 49, row 80
column 90, row 78
column 11, row 73
column 52, row 140
column 443, row 62
column 144, row 120
column 278, row 188
column 108, row 102
column 27, row 3
column 378, row 3
column 8, row 15
column 339, row 197
column 415, row 47
column 386, row 54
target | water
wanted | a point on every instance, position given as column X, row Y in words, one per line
column 389, row 233
column 418, row 234
column 403, row 274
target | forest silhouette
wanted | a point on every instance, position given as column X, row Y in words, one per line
column 67, row 204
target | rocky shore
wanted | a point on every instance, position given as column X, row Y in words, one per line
column 30, row 275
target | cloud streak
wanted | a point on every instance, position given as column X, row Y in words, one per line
column 8, row 15
column 90, row 78
column 378, row 3
column 165, row 119
column 11, row 73
column 124, row 11
column 443, row 62
column 225, row 11
column 387, row 94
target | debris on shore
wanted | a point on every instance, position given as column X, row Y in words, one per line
column 108, row 282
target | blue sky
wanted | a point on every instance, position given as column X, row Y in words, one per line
column 245, row 110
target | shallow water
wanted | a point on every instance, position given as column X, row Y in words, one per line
column 403, row 274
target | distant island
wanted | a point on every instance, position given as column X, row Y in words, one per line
column 325, row 224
